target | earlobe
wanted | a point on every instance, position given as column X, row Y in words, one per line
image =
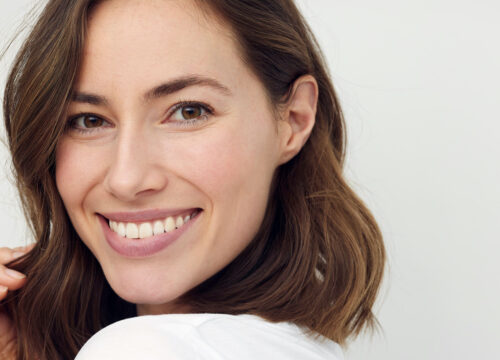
column 298, row 117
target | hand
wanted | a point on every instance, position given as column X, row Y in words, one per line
column 9, row 280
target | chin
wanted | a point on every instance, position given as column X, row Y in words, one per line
column 150, row 298
column 138, row 295
column 145, row 290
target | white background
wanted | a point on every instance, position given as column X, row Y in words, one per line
column 419, row 82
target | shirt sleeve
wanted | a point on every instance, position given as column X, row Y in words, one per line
column 204, row 337
column 136, row 338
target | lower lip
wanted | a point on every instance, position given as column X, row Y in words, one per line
column 142, row 247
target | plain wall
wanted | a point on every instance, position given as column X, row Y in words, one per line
column 419, row 84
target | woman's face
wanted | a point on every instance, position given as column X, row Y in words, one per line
column 175, row 122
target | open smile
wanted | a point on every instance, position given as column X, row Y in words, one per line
column 133, row 239
column 134, row 230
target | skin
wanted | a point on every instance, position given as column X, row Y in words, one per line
column 9, row 280
column 139, row 157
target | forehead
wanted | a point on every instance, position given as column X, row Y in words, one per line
column 134, row 42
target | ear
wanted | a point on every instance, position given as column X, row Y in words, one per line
column 298, row 117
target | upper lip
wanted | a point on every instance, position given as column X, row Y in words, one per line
column 145, row 215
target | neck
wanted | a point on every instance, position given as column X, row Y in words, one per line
column 161, row 309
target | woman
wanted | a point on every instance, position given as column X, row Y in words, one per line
column 182, row 158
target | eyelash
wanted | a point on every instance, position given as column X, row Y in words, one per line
column 182, row 124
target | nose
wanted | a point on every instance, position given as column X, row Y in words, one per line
column 133, row 173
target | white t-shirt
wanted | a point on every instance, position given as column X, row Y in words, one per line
column 206, row 337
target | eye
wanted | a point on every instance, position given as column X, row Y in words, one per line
column 187, row 112
column 87, row 123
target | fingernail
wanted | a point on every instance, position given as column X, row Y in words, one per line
column 17, row 254
column 14, row 274
column 3, row 288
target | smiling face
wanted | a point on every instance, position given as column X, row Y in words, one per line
column 174, row 121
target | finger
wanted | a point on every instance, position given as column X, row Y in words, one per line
column 3, row 292
column 7, row 255
column 11, row 278
column 26, row 248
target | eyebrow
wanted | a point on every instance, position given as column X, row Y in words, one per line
column 162, row 90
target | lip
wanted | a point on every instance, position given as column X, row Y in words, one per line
column 136, row 248
column 145, row 215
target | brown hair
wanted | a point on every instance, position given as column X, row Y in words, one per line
column 318, row 258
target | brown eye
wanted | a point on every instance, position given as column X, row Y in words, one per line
column 87, row 123
column 191, row 112
column 92, row 121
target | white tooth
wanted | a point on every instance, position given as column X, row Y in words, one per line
column 145, row 230
column 158, row 227
column 113, row 225
column 120, row 229
column 169, row 224
column 186, row 219
column 132, row 231
column 179, row 222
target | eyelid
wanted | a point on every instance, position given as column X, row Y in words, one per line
column 184, row 103
column 83, row 131
column 85, row 114
column 209, row 111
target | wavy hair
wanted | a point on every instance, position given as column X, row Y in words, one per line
column 318, row 258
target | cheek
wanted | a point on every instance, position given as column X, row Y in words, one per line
column 229, row 161
column 67, row 172
column 233, row 167
column 76, row 169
